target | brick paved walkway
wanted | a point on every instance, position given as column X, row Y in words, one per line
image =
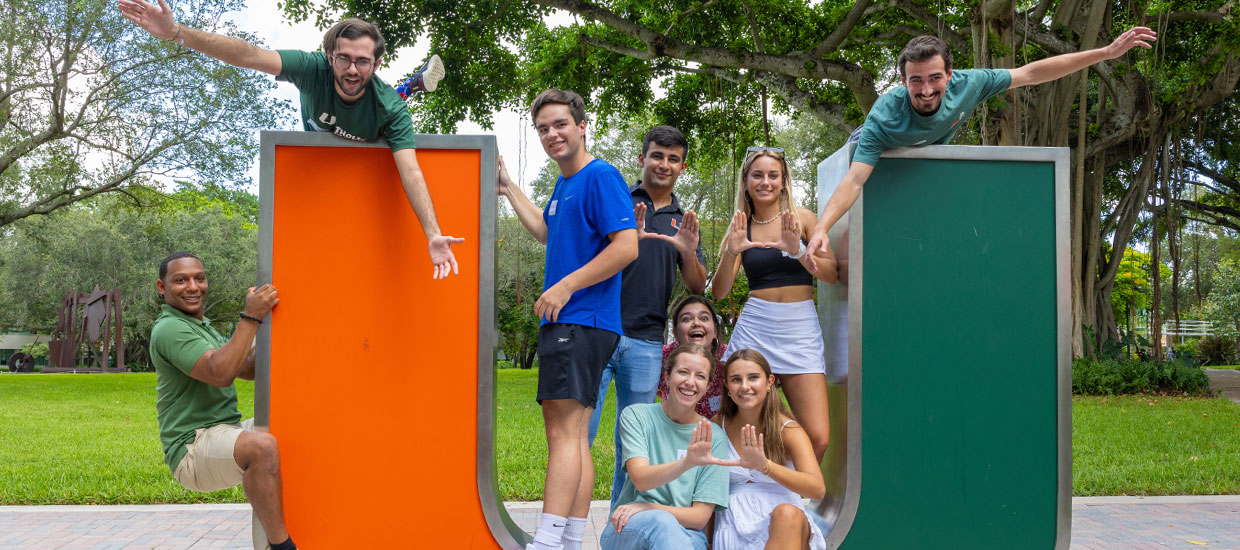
column 1098, row 523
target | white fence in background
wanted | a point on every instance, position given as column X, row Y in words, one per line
column 1187, row 329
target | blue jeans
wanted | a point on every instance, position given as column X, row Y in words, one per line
column 652, row 530
column 635, row 366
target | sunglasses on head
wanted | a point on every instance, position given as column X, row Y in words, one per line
column 758, row 149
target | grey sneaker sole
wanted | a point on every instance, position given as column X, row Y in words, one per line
column 432, row 73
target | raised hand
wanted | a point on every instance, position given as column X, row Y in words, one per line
column 687, row 236
column 789, row 234
column 1136, row 36
column 639, row 214
column 753, row 453
column 738, row 235
column 153, row 18
column 440, row 249
column 700, row 446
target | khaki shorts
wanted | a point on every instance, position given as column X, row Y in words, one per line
column 208, row 464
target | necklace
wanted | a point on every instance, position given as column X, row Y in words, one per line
column 773, row 218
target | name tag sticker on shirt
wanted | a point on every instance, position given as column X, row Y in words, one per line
column 551, row 208
column 680, row 453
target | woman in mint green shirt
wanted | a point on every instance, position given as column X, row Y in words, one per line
column 675, row 461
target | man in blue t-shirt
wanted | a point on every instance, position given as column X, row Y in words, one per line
column 933, row 102
column 339, row 94
column 590, row 234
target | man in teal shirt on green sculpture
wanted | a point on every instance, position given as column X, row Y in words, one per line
column 206, row 445
column 934, row 100
column 339, row 94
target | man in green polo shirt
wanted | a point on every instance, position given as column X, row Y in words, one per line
column 933, row 101
column 206, row 445
column 339, row 94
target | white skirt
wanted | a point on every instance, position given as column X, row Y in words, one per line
column 788, row 334
column 746, row 523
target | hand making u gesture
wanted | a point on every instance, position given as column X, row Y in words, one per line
column 700, row 445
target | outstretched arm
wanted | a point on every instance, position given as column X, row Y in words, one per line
column 156, row 18
column 841, row 200
column 438, row 245
column 1052, row 68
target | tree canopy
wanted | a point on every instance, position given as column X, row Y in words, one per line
column 91, row 104
column 109, row 242
column 1137, row 124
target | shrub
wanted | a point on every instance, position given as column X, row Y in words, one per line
column 1131, row 376
column 1186, row 351
column 38, row 350
column 1216, row 350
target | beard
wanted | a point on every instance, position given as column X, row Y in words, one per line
column 348, row 89
column 927, row 108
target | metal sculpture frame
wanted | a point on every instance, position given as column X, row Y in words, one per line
column 88, row 317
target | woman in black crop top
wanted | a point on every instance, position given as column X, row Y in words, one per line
column 767, row 237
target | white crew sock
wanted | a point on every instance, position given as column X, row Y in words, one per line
column 550, row 533
column 574, row 533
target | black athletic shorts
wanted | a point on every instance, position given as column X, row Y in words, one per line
column 571, row 359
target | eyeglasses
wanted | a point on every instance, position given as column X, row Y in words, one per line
column 757, row 149
column 342, row 62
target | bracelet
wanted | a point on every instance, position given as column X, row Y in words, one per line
column 798, row 255
column 176, row 36
column 766, row 470
column 249, row 317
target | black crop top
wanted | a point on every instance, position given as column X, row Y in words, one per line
column 769, row 268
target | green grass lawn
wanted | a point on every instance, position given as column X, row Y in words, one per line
column 89, row 439
column 522, row 441
column 92, row 439
column 1154, row 445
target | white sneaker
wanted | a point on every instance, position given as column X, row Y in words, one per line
column 427, row 78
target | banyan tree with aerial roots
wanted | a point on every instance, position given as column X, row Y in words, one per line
column 1148, row 131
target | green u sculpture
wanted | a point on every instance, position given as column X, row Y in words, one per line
column 949, row 352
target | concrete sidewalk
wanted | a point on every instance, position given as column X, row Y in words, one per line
column 1098, row 523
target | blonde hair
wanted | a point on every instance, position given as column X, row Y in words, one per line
column 772, row 407
column 744, row 203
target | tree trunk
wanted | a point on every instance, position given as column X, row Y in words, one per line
column 1173, row 248
column 1156, row 275
column 992, row 31
column 1126, row 215
column 522, row 358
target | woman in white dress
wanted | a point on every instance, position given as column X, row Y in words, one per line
column 777, row 465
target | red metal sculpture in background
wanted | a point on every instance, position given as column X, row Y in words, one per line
column 91, row 318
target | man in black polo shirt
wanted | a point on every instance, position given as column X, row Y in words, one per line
column 668, row 238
